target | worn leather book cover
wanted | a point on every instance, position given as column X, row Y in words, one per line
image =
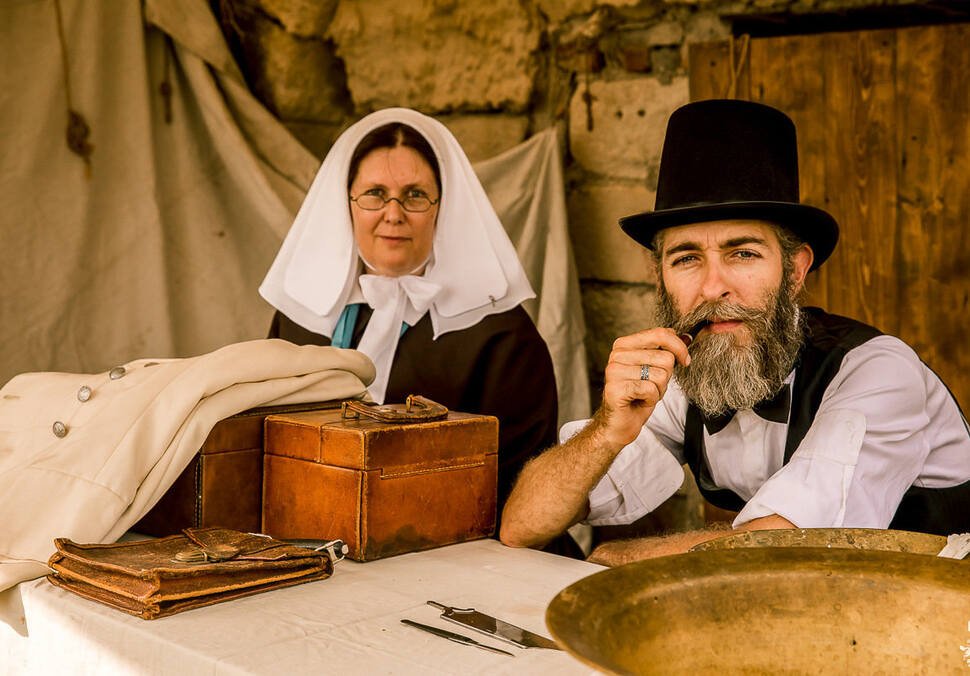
column 202, row 566
column 223, row 485
column 384, row 488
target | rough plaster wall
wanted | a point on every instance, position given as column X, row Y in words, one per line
column 611, row 71
column 440, row 56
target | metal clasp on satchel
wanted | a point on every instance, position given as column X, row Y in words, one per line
column 335, row 549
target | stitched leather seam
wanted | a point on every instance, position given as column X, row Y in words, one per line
column 432, row 470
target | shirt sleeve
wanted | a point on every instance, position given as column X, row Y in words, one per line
column 864, row 449
column 642, row 476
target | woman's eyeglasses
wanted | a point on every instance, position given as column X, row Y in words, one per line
column 415, row 204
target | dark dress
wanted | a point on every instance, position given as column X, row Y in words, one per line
column 501, row 367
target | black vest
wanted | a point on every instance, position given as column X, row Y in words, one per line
column 828, row 338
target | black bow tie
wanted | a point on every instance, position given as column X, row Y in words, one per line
column 774, row 409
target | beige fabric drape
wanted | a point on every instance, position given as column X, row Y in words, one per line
column 525, row 185
column 161, row 250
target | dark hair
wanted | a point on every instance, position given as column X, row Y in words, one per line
column 391, row 136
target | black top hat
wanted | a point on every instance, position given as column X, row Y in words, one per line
column 725, row 159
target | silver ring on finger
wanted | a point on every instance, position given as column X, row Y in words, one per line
column 644, row 371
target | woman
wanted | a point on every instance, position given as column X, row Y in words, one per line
column 398, row 253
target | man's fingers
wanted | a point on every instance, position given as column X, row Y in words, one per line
column 654, row 339
column 659, row 358
column 660, row 374
column 649, row 391
column 653, row 372
column 631, row 392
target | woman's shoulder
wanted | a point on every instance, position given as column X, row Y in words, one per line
column 515, row 318
column 285, row 328
column 513, row 323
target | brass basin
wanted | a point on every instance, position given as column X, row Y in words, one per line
column 800, row 610
column 841, row 538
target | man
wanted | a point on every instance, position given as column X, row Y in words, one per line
column 791, row 417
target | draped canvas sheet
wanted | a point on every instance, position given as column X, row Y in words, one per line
column 525, row 185
column 160, row 251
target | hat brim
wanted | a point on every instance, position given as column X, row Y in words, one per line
column 810, row 224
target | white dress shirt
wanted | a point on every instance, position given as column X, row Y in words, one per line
column 885, row 422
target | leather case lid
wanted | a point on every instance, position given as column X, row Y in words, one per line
column 327, row 438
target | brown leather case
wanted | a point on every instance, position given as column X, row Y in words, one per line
column 383, row 488
column 223, row 485
column 155, row 578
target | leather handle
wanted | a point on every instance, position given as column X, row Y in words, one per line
column 415, row 409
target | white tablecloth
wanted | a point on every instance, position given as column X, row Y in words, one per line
column 348, row 624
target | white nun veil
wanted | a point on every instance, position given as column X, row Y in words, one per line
column 315, row 272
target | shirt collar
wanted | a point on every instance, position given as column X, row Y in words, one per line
column 773, row 409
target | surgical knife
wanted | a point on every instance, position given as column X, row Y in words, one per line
column 486, row 624
column 457, row 638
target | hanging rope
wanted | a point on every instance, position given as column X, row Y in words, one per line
column 227, row 17
column 165, row 88
column 78, row 130
column 736, row 68
column 588, row 99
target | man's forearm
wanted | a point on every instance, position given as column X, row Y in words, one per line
column 618, row 552
column 552, row 491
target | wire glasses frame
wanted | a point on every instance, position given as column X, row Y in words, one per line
column 414, row 205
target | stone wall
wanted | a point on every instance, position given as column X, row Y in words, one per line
column 609, row 71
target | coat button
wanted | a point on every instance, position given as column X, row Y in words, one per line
column 84, row 393
column 116, row 372
column 60, row 429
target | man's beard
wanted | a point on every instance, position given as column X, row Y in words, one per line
column 725, row 374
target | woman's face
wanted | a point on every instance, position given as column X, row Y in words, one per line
column 391, row 239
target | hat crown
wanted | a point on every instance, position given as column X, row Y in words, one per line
column 731, row 159
column 724, row 151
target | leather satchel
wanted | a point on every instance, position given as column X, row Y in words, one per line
column 202, row 566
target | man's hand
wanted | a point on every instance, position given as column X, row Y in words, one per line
column 628, row 400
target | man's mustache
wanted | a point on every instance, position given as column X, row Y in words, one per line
column 712, row 311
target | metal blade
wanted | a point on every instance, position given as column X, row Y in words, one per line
column 457, row 638
column 492, row 650
column 486, row 624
